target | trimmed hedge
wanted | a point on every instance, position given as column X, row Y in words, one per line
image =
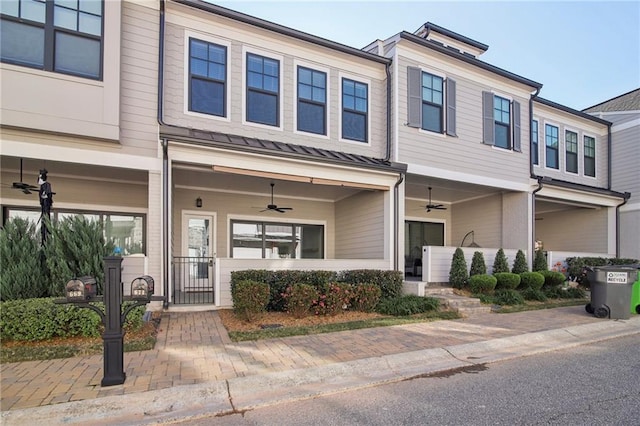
column 365, row 297
column 533, row 280
column 507, row 280
column 553, row 278
column 300, row 298
column 390, row 282
column 250, row 299
column 408, row 305
column 482, row 283
column 42, row 319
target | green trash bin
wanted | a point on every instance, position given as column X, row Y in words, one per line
column 635, row 297
column 611, row 291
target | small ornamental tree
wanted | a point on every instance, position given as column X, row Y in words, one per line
column 540, row 262
column 500, row 263
column 520, row 264
column 478, row 266
column 458, row 275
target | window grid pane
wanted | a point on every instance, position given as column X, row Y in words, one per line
column 354, row 110
column 551, row 142
column 263, row 89
column 207, row 90
column 589, row 156
column 311, row 101
column 534, row 141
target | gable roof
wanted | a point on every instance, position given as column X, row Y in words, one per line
column 629, row 101
column 280, row 149
column 430, row 26
column 571, row 110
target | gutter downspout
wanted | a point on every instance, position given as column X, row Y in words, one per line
column 533, row 176
column 165, row 160
column 531, row 98
column 533, row 219
column 609, row 152
column 396, row 225
column 627, row 195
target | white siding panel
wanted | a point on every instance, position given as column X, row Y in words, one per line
column 360, row 226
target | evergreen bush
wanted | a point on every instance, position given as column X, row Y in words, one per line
column 553, row 278
column 520, row 263
column 23, row 273
column 482, row 283
column 533, row 280
column 299, row 299
column 458, row 275
column 530, row 293
column 390, row 282
column 365, row 297
column 507, row 280
column 250, row 299
column 500, row 263
column 478, row 266
column 540, row 262
column 333, row 299
column 409, row 304
column 509, row 297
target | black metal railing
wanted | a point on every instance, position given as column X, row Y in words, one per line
column 193, row 280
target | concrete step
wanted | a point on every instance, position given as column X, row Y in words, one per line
column 464, row 305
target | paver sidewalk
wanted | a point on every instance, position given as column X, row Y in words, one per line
column 194, row 348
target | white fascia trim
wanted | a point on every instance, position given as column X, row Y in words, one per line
column 80, row 156
column 566, row 194
column 468, row 178
column 625, row 126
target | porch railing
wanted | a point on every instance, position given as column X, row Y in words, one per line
column 193, row 282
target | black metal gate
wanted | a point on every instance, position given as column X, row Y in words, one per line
column 193, row 280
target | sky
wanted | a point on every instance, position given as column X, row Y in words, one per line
column 583, row 52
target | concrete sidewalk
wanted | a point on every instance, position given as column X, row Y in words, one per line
column 195, row 368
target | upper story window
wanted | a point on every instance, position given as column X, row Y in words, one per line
column 589, row 156
column 501, row 122
column 571, row 148
column 551, row 143
column 431, row 102
column 312, row 101
column 263, row 90
column 534, row 142
column 502, row 117
column 207, row 77
column 63, row 36
column 355, row 100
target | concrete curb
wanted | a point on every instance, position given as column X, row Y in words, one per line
column 245, row 393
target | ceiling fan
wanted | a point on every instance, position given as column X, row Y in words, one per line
column 274, row 207
column 432, row 206
column 24, row 187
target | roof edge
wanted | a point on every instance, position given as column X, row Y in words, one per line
column 470, row 60
column 452, row 34
column 609, row 100
column 290, row 32
column 580, row 187
column 571, row 110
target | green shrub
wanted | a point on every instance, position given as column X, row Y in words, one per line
column 458, row 275
column 540, row 262
column 299, row 299
column 408, row 305
column 555, row 292
column 482, row 283
column 508, row 297
column 507, row 280
column 574, row 293
column 42, row 319
column 390, row 282
column 333, row 299
column 22, row 275
column 520, row 264
column 533, row 280
column 531, row 293
column 500, row 263
column 250, row 299
column 553, row 278
column 365, row 297
column 478, row 266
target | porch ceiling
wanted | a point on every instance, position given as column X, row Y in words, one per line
column 445, row 191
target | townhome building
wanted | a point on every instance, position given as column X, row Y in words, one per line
column 624, row 113
column 210, row 141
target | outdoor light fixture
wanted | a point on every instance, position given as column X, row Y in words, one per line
column 198, row 202
column 473, row 241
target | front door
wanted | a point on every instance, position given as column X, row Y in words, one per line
column 195, row 283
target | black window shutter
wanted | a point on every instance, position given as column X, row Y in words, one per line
column 516, row 127
column 451, row 107
column 488, row 128
column 414, row 97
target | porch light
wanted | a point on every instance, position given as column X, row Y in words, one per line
column 473, row 241
column 198, row 202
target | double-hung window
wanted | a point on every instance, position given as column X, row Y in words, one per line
column 63, row 36
column 431, row 102
column 355, row 110
column 589, row 156
column 312, row 101
column 534, row 142
column 263, row 90
column 571, row 151
column 268, row 240
column 207, row 77
column 501, row 122
column 551, row 146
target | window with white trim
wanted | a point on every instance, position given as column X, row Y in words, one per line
column 535, row 153
column 207, row 77
column 263, row 90
column 312, row 101
column 551, row 146
column 571, row 151
column 267, row 240
column 501, row 122
column 355, row 110
column 63, row 36
column 589, row 156
column 431, row 102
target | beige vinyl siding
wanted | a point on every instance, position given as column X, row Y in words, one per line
column 465, row 153
column 593, row 223
column 139, row 125
column 360, row 226
column 483, row 216
column 630, row 236
column 515, row 220
column 291, row 51
column 625, row 173
column 155, row 228
column 583, row 127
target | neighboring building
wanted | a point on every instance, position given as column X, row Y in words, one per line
column 624, row 112
column 211, row 141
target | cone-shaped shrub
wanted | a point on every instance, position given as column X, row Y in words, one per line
column 520, row 264
column 540, row 262
column 458, row 275
column 478, row 266
column 500, row 263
